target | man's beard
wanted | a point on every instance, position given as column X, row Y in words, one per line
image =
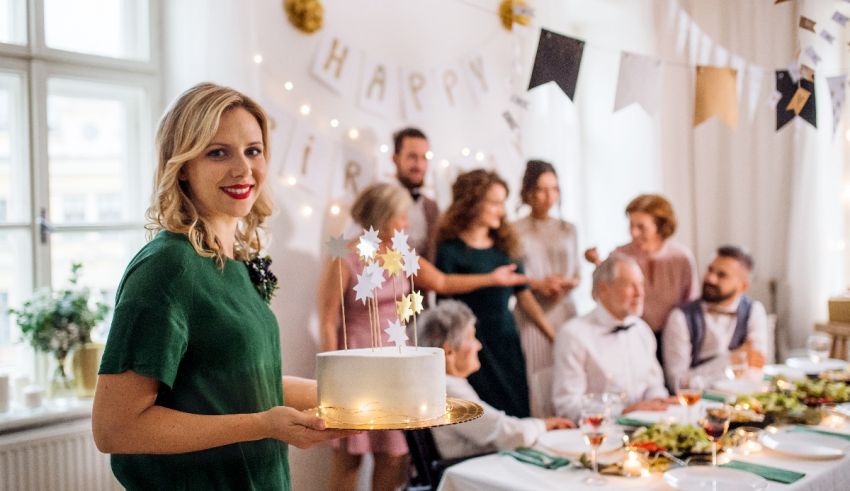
column 408, row 183
column 712, row 294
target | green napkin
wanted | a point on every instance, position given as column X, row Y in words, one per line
column 770, row 473
column 627, row 421
column 709, row 396
column 536, row 457
column 808, row 429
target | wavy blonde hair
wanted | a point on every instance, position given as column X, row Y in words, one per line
column 184, row 132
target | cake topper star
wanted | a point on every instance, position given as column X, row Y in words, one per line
column 337, row 247
column 371, row 236
column 411, row 262
column 397, row 333
column 416, row 300
column 405, row 308
column 366, row 249
column 375, row 274
column 392, row 261
column 399, row 241
column 363, row 289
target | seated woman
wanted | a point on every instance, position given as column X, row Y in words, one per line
column 451, row 326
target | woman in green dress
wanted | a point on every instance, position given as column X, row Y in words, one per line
column 473, row 237
column 190, row 393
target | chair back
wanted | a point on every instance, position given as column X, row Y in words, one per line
column 424, row 456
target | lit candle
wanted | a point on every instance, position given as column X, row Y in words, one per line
column 632, row 466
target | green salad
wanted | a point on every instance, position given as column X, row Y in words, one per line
column 675, row 438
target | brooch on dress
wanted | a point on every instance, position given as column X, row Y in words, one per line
column 261, row 276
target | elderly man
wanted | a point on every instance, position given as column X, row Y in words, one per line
column 609, row 349
column 410, row 155
column 701, row 336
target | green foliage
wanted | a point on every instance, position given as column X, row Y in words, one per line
column 59, row 321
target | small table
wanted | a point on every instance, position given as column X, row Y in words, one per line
column 840, row 332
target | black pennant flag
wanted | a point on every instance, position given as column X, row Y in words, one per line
column 558, row 58
column 786, row 86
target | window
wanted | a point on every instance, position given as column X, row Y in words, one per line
column 78, row 91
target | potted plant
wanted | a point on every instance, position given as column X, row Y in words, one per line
column 59, row 322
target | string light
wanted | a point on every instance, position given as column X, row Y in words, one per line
column 353, row 133
column 444, row 163
column 335, row 210
column 334, row 123
column 385, row 148
column 291, row 180
column 465, row 152
column 479, row 156
column 258, row 58
column 288, row 85
column 429, row 155
column 305, row 109
column 306, row 210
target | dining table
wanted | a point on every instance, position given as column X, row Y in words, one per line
column 500, row 471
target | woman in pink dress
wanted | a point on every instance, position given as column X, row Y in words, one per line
column 669, row 268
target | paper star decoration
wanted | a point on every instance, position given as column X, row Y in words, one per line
column 399, row 241
column 396, row 333
column 416, row 300
column 366, row 249
column 336, row 247
column 411, row 262
column 371, row 236
column 404, row 308
column 392, row 261
column 374, row 274
column 363, row 288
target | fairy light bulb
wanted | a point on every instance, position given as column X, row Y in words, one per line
column 465, row 152
column 304, row 109
column 429, row 155
column 444, row 163
column 258, row 58
column 353, row 133
column 335, row 210
column 479, row 156
column 306, row 210
column 334, row 123
column 288, row 85
column 385, row 148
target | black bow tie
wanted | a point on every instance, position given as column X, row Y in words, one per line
column 415, row 194
column 621, row 328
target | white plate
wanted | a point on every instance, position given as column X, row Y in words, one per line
column 806, row 365
column 571, row 442
column 802, row 445
column 740, row 387
column 710, row 478
column 785, row 371
column 843, row 409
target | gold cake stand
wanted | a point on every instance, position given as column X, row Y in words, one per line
column 457, row 411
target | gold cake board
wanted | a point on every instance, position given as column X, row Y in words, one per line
column 458, row 411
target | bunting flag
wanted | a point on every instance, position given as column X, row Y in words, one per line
column 807, row 24
column 755, row 76
column 836, row 93
column 716, row 95
column 788, row 89
column 638, row 82
column 558, row 59
column 840, row 18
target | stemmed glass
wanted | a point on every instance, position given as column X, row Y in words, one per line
column 716, row 423
column 594, row 422
column 738, row 364
column 689, row 392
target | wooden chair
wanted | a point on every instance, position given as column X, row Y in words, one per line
column 426, row 460
column 840, row 332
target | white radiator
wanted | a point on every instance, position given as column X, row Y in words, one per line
column 54, row 458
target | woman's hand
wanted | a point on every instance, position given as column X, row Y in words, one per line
column 299, row 429
column 551, row 287
column 592, row 256
column 558, row 424
column 507, row 276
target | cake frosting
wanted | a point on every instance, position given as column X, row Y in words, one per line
column 388, row 385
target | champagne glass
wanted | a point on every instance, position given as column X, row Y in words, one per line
column 594, row 422
column 716, row 423
column 689, row 389
column 817, row 347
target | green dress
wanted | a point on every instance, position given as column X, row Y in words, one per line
column 501, row 381
column 212, row 342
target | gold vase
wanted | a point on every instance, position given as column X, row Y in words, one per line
column 86, row 361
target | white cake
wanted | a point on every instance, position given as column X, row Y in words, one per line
column 382, row 385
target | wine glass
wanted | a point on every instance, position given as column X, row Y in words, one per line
column 716, row 423
column 689, row 389
column 738, row 364
column 594, row 422
column 616, row 401
column 817, row 347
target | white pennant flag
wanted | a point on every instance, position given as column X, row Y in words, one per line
column 836, row 93
column 638, row 82
column 755, row 76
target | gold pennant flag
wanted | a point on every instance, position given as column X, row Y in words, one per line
column 780, row 1
column 798, row 101
column 807, row 24
column 716, row 95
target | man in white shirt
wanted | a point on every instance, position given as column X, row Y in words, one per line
column 609, row 349
column 451, row 326
column 700, row 336
column 410, row 155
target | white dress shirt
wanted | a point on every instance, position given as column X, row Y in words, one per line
column 589, row 358
column 417, row 226
column 494, row 430
column 676, row 341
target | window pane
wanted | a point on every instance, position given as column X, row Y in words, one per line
column 104, row 255
column 94, row 152
column 15, row 289
column 13, row 21
column 114, row 28
column 14, row 169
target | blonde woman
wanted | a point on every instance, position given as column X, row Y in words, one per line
column 190, row 394
column 383, row 206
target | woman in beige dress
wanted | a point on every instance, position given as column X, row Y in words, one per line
column 550, row 258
